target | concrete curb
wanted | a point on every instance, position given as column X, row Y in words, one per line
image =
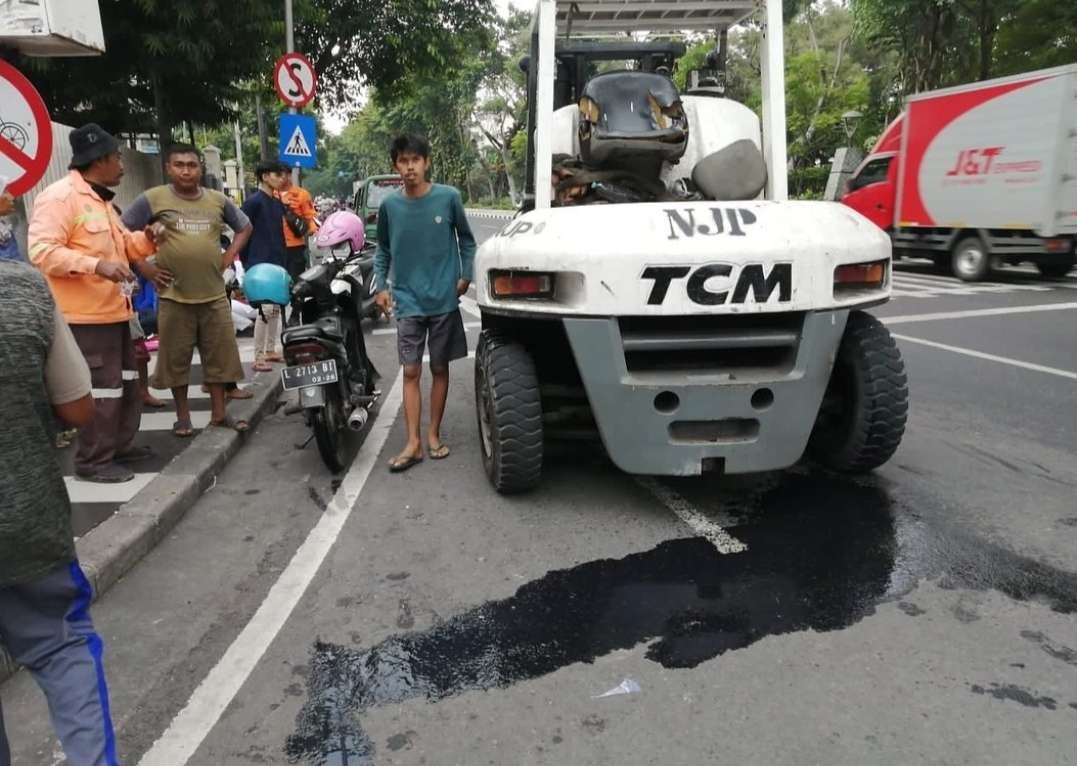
column 112, row 548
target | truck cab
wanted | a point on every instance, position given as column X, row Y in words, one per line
column 872, row 191
column 369, row 196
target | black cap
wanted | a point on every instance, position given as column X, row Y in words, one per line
column 91, row 142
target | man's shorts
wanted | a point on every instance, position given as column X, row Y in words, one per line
column 448, row 341
column 207, row 326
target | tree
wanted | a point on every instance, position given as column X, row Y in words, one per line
column 385, row 43
column 166, row 61
column 1037, row 35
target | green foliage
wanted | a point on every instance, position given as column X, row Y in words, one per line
column 1040, row 34
column 178, row 57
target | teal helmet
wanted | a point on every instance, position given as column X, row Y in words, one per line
column 267, row 283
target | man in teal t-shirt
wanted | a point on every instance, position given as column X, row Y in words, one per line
column 425, row 241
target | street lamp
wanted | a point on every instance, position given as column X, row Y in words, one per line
column 849, row 121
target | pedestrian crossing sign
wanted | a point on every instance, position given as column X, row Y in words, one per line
column 298, row 141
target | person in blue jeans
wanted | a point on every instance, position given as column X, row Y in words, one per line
column 44, row 595
column 425, row 244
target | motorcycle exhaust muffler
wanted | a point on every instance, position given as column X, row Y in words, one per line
column 358, row 418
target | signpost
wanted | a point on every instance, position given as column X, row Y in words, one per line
column 294, row 79
column 25, row 132
column 298, row 141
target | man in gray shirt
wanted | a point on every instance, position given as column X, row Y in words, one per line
column 44, row 595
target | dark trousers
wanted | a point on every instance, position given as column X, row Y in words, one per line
column 110, row 355
column 296, row 258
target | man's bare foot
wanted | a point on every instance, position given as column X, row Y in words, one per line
column 437, row 449
column 411, row 456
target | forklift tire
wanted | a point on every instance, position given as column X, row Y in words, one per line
column 509, row 408
column 862, row 418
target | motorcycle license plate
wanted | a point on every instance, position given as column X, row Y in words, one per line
column 314, row 374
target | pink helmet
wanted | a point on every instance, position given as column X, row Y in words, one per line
column 339, row 228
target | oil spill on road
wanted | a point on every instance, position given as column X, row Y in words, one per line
column 1016, row 694
column 822, row 554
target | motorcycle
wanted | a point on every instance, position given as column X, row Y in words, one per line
column 325, row 354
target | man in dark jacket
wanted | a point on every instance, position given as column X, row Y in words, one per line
column 44, row 595
column 266, row 245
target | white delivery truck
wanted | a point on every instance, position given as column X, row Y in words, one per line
column 980, row 175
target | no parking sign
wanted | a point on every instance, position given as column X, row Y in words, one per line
column 25, row 131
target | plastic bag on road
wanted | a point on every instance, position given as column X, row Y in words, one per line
column 627, row 686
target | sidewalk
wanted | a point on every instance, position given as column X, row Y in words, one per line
column 93, row 503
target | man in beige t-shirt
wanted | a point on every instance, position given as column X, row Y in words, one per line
column 194, row 310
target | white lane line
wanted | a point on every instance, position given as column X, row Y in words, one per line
column 912, row 318
column 469, row 305
column 690, row 515
column 91, row 492
column 991, row 357
column 208, row 702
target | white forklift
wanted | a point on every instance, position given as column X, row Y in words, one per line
column 658, row 290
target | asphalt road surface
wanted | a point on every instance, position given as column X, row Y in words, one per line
column 924, row 614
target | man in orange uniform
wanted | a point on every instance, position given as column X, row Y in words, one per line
column 301, row 205
column 77, row 240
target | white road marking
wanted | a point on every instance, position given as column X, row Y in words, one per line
column 91, row 492
column 162, row 421
column 469, row 305
column 209, row 701
column 690, row 515
column 991, row 357
column 194, row 391
column 911, row 318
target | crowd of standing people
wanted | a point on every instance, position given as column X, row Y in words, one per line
column 68, row 358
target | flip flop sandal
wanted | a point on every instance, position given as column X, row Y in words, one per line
column 183, row 429
column 238, row 425
column 239, row 393
column 262, row 367
column 440, row 453
column 399, row 466
column 154, row 403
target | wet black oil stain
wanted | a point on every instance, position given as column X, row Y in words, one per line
column 911, row 609
column 1016, row 694
column 1058, row 651
column 822, row 554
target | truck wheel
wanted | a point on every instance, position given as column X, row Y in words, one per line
column 862, row 418
column 1056, row 269
column 971, row 261
column 509, row 410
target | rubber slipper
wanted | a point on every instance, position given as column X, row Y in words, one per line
column 399, row 466
column 154, row 403
column 240, row 393
column 262, row 367
column 183, row 429
column 237, row 425
column 440, row 452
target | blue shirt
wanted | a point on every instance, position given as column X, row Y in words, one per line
column 427, row 246
column 266, row 244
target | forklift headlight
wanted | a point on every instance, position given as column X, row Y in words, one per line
column 530, row 285
column 860, row 276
